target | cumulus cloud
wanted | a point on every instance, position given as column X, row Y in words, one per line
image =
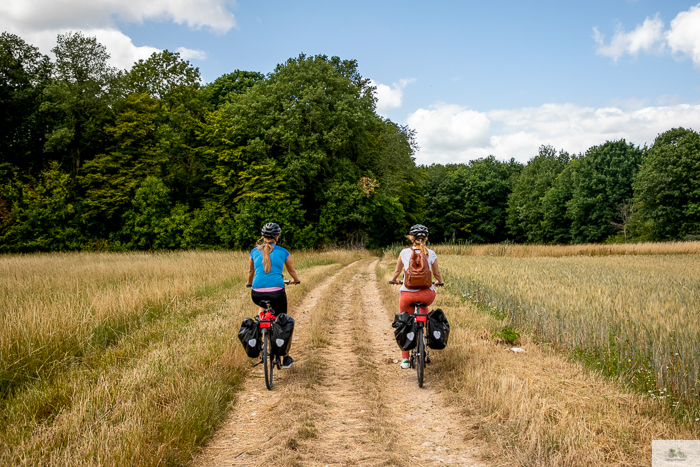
column 681, row 39
column 646, row 37
column 390, row 97
column 56, row 14
column 684, row 35
column 446, row 131
column 450, row 133
column 40, row 21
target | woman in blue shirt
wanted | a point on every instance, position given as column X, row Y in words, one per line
column 267, row 262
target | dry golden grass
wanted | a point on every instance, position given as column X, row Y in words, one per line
column 58, row 308
column 594, row 249
column 540, row 408
column 154, row 392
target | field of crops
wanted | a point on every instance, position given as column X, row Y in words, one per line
column 633, row 315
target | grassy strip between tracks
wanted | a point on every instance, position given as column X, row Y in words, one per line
column 152, row 396
column 540, row 407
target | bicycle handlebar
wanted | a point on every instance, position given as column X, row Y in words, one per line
column 285, row 282
column 401, row 282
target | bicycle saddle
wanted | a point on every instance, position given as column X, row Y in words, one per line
column 265, row 303
column 419, row 304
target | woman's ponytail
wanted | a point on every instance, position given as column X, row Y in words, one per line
column 419, row 242
column 266, row 245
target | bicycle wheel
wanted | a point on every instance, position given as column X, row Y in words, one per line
column 420, row 358
column 268, row 360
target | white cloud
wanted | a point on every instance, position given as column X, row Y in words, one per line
column 684, row 35
column 187, row 54
column 390, row 97
column 59, row 14
column 447, row 131
column 647, row 37
column 681, row 39
column 451, row 133
column 40, row 21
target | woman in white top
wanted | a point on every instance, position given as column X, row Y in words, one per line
column 418, row 237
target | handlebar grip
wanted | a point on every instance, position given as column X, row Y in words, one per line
column 249, row 286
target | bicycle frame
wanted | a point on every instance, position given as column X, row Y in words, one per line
column 265, row 320
column 419, row 355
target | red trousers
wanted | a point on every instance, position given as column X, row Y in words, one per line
column 425, row 295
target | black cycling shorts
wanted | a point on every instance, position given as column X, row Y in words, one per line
column 277, row 299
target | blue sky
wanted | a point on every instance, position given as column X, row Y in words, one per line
column 473, row 78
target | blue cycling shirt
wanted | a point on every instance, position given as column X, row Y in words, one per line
column 274, row 278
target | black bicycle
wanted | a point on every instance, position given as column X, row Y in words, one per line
column 265, row 319
column 419, row 355
column 268, row 360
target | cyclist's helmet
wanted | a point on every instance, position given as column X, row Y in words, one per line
column 271, row 230
column 419, row 230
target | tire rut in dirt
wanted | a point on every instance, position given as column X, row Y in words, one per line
column 248, row 432
column 431, row 431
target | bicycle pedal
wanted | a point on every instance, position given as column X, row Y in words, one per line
column 427, row 359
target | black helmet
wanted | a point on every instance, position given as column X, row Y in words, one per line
column 271, row 230
column 419, row 230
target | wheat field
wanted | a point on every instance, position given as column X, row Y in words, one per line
column 638, row 315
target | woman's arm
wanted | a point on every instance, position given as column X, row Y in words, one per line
column 251, row 273
column 436, row 272
column 397, row 271
column 291, row 271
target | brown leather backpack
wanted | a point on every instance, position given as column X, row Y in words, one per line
column 418, row 275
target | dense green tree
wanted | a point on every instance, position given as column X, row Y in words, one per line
column 41, row 215
column 153, row 224
column 110, row 180
column 556, row 226
column 667, row 187
column 164, row 75
column 470, row 201
column 175, row 83
column 311, row 116
column 78, row 98
column 525, row 211
column 602, row 185
column 24, row 73
column 224, row 88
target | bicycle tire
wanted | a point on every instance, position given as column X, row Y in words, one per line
column 268, row 363
column 420, row 359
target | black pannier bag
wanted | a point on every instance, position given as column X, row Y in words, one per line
column 405, row 331
column 249, row 335
column 282, row 330
column 438, row 330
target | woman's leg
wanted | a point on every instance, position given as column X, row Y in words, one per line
column 405, row 305
column 278, row 300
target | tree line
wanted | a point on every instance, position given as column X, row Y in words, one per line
column 151, row 158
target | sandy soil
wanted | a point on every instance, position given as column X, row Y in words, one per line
column 367, row 411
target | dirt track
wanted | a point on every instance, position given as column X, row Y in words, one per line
column 346, row 403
